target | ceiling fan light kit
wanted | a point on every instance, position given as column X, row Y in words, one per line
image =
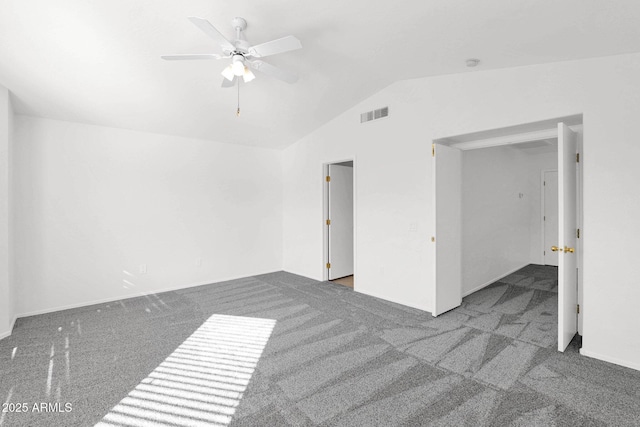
column 244, row 57
column 237, row 65
column 228, row 74
column 247, row 76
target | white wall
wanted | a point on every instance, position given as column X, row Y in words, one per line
column 394, row 170
column 95, row 203
column 6, row 298
column 390, row 195
column 501, row 231
column 496, row 235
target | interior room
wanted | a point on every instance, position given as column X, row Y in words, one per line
column 502, row 231
column 319, row 213
column 502, row 210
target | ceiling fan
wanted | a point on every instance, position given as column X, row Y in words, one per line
column 244, row 57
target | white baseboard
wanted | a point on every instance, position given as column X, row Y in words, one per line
column 129, row 296
column 609, row 359
column 386, row 298
column 305, row 274
column 485, row 284
column 8, row 333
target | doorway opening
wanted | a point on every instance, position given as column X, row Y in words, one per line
column 339, row 222
column 486, row 213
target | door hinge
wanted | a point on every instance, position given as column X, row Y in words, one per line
column 433, row 239
column 544, row 253
column 578, row 233
column 578, row 309
column 328, row 222
column 328, row 178
column 328, row 265
column 544, row 218
column 577, row 157
column 433, row 150
column 544, row 183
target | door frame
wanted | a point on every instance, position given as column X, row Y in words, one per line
column 542, row 208
column 580, row 221
column 325, row 215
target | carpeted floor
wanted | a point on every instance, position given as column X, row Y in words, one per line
column 334, row 358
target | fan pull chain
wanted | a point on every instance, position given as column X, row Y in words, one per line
column 238, row 110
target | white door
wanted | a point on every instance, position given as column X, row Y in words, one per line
column 567, row 258
column 341, row 217
column 448, row 223
column 550, row 217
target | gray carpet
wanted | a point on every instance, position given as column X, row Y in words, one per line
column 333, row 358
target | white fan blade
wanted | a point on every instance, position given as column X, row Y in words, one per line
column 212, row 32
column 227, row 83
column 276, row 72
column 273, row 47
column 191, row 56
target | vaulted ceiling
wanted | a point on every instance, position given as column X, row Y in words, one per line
column 98, row 61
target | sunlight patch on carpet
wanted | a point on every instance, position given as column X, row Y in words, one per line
column 202, row 382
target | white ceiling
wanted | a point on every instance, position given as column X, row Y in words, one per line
column 537, row 147
column 97, row 61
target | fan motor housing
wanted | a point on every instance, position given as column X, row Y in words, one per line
column 240, row 23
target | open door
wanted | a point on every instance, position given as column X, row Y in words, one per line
column 447, row 180
column 340, row 188
column 550, row 217
column 567, row 230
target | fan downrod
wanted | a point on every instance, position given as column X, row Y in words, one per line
column 239, row 23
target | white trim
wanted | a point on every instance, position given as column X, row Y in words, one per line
column 10, row 331
column 543, row 230
column 325, row 215
column 517, row 138
column 506, row 140
column 325, row 230
column 484, row 285
column 390, row 299
column 580, row 226
column 614, row 360
column 137, row 295
column 305, row 275
column 355, row 222
column 434, row 229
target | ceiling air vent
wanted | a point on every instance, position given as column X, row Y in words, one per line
column 374, row 115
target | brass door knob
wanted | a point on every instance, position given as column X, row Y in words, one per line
column 556, row 249
column 568, row 250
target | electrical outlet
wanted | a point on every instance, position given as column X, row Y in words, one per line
column 413, row 227
column 199, row 262
column 142, row 269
